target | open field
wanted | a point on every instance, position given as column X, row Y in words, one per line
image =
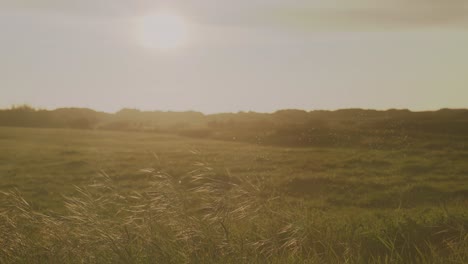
column 228, row 202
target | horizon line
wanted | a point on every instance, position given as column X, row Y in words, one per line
column 13, row 106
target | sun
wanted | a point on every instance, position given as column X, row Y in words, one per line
column 163, row 31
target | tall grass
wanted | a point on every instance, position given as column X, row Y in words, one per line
column 206, row 216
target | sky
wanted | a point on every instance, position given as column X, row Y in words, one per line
column 244, row 55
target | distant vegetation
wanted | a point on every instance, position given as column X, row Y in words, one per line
column 294, row 128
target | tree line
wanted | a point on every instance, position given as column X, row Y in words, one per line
column 340, row 128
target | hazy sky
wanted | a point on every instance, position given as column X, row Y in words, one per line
column 259, row 55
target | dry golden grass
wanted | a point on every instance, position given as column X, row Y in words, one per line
column 207, row 217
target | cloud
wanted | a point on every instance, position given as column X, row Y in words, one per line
column 78, row 8
column 376, row 15
column 314, row 15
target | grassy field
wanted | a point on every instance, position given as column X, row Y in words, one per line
column 130, row 197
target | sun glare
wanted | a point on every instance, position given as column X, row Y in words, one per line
column 163, row 31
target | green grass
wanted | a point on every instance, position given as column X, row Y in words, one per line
column 86, row 199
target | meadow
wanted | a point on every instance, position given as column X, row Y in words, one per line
column 94, row 196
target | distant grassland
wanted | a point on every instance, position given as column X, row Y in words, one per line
column 228, row 202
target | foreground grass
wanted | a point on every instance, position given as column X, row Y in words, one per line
column 205, row 217
column 73, row 196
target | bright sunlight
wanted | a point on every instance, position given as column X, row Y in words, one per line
column 162, row 31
